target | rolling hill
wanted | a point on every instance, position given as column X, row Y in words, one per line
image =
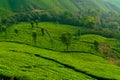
column 34, row 50
column 22, row 59
column 23, row 62
column 58, row 5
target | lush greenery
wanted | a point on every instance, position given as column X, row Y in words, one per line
column 20, row 58
column 104, row 14
column 59, row 6
column 21, row 61
column 62, row 40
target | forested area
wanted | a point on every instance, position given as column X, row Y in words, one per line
column 95, row 21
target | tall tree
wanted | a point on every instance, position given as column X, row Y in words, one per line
column 43, row 31
column 16, row 31
column 32, row 24
column 36, row 22
column 4, row 29
column 96, row 44
column 66, row 39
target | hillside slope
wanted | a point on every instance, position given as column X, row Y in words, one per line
column 59, row 5
column 20, row 61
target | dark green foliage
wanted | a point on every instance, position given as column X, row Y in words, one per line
column 42, row 31
column 106, row 32
column 68, row 12
column 96, row 44
column 4, row 21
column 16, row 31
column 36, row 22
column 66, row 39
column 85, row 18
column 4, row 29
column 32, row 24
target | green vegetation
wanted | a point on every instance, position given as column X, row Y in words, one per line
column 56, row 5
column 16, row 63
column 87, row 57
column 23, row 61
column 89, row 13
column 59, row 40
column 66, row 38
